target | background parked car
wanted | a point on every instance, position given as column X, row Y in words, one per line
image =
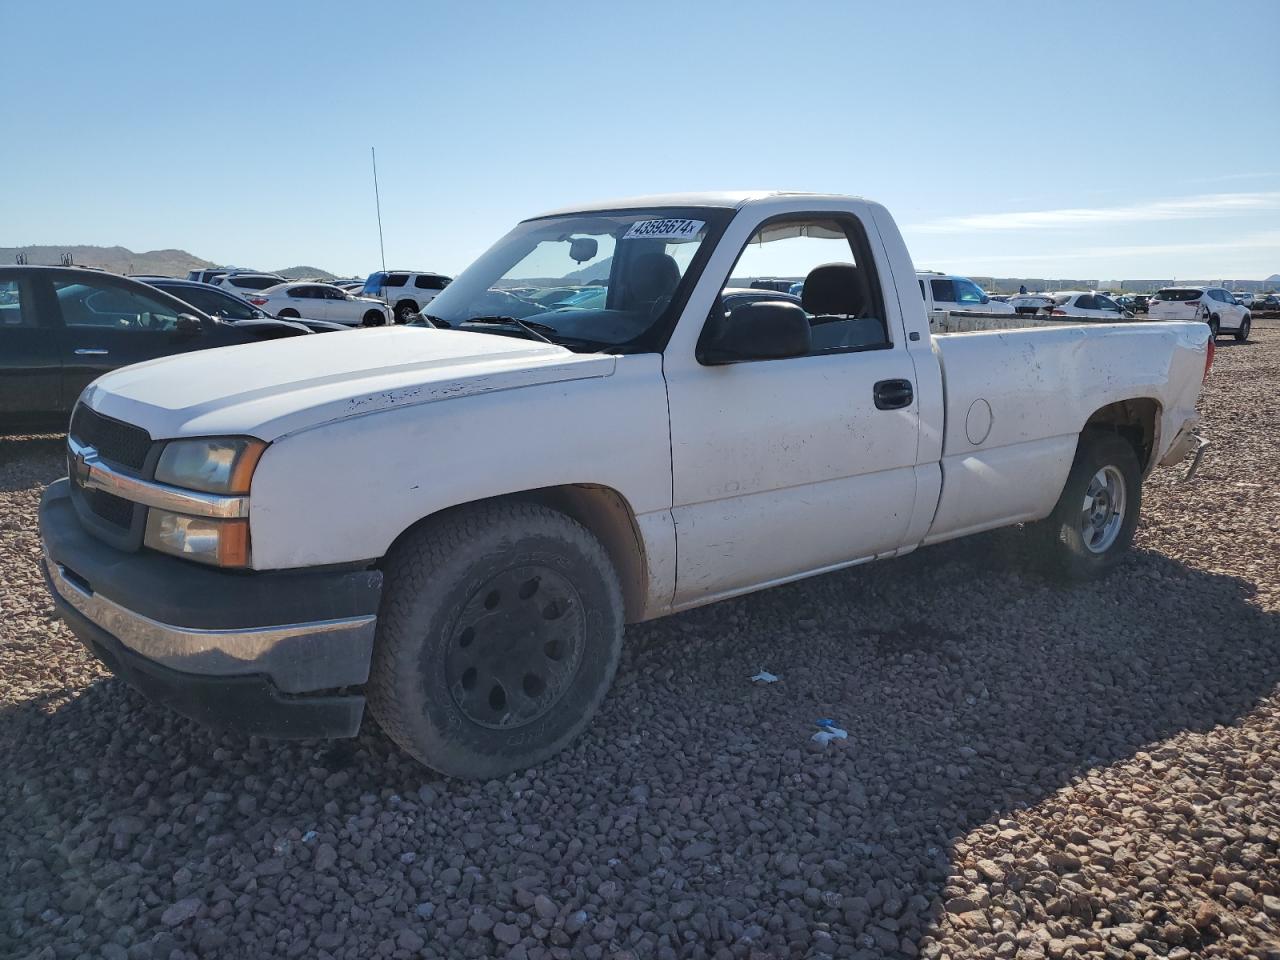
column 943, row 292
column 1243, row 297
column 1212, row 305
column 321, row 301
column 1087, row 305
column 225, row 305
column 1141, row 301
column 63, row 327
column 406, row 291
column 1031, row 303
column 1266, row 301
column 247, row 284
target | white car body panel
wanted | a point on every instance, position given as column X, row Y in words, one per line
column 269, row 392
column 736, row 476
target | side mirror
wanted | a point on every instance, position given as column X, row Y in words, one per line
column 189, row 324
column 763, row 330
column 985, row 299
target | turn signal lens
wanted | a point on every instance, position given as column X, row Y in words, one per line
column 220, row 543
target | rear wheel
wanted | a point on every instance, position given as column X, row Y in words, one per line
column 1214, row 325
column 1243, row 333
column 1093, row 522
column 499, row 634
column 288, row 314
column 405, row 311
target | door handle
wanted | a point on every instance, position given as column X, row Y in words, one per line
column 91, row 352
column 893, row 394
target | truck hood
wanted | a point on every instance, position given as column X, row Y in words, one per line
column 268, row 390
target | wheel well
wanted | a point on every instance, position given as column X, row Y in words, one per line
column 1137, row 420
column 604, row 512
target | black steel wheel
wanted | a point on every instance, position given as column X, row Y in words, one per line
column 499, row 633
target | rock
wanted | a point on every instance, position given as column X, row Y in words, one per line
column 507, row 933
column 181, row 912
column 410, row 940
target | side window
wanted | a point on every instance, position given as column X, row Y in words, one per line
column 832, row 258
column 1086, row 301
column 428, row 283
column 15, row 305
column 117, row 308
column 968, row 292
column 922, row 290
column 303, row 293
column 1105, row 303
column 943, row 291
column 214, row 304
column 396, row 279
column 333, row 293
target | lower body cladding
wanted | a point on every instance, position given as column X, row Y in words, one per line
column 273, row 654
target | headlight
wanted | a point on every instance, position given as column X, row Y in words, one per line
column 223, row 543
column 220, row 465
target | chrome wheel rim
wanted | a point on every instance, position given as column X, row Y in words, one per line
column 1103, row 512
column 515, row 647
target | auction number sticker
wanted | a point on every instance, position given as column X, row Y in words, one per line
column 665, row 230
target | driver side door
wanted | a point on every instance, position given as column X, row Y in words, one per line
column 107, row 323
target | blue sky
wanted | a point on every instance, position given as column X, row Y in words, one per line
column 1087, row 140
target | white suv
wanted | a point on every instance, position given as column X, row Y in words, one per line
column 1213, row 305
column 406, row 291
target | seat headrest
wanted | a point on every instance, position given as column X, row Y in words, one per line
column 654, row 276
column 833, row 289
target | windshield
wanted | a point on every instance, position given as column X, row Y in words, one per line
column 589, row 281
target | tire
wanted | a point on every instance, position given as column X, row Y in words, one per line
column 405, row 311
column 463, row 597
column 1242, row 335
column 288, row 314
column 1070, row 546
column 1214, row 325
column 374, row 318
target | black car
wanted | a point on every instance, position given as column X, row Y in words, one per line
column 1268, row 301
column 63, row 327
column 225, row 305
column 1141, row 302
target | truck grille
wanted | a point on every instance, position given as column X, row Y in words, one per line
column 110, row 508
column 124, row 445
column 118, row 442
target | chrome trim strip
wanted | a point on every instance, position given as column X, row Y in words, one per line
column 93, row 474
column 216, row 652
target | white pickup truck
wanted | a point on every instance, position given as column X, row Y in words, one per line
column 455, row 521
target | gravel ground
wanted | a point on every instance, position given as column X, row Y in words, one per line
column 1030, row 770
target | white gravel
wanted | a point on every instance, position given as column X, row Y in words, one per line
column 1030, row 770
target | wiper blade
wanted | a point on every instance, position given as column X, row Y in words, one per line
column 533, row 328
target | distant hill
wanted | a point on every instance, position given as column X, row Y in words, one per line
column 115, row 259
column 594, row 271
column 1274, row 278
column 164, row 263
column 305, row 273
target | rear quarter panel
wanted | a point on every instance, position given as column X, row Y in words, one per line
column 1041, row 386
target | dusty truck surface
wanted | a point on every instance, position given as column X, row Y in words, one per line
column 453, row 522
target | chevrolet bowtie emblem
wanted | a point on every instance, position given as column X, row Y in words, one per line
column 80, row 462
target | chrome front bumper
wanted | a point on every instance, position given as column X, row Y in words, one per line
column 271, row 651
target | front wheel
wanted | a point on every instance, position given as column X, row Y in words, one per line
column 373, row 318
column 1243, row 333
column 499, row 633
column 1093, row 522
column 406, row 310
